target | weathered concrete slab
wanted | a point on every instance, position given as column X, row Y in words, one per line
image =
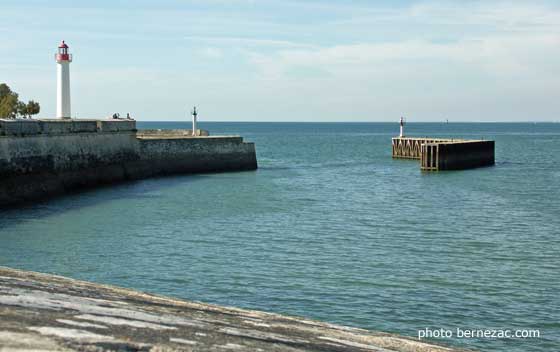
column 41, row 312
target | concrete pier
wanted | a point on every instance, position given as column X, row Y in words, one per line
column 40, row 312
column 445, row 154
column 44, row 158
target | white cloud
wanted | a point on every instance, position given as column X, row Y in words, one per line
column 502, row 15
column 501, row 64
column 246, row 41
column 213, row 53
column 498, row 55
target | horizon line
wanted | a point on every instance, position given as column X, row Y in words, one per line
column 395, row 122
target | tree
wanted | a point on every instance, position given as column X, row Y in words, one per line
column 4, row 90
column 11, row 107
column 33, row 108
column 21, row 109
column 8, row 104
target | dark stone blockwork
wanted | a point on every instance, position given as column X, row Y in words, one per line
column 43, row 158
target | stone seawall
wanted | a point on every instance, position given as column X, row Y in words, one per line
column 43, row 158
column 40, row 312
column 201, row 154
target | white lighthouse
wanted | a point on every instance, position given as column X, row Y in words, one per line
column 402, row 128
column 63, row 60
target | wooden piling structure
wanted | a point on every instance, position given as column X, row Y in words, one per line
column 410, row 148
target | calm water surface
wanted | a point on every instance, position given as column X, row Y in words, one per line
column 329, row 227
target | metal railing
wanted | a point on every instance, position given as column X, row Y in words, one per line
column 63, row 57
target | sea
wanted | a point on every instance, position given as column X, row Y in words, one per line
column 330, row 227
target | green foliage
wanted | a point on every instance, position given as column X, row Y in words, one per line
column 4, row 90
column 33, row 108
column 21, row 109
column 8, row 105
column 11, row 107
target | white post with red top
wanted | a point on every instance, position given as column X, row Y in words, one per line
column 63, row 60
column 194, row 127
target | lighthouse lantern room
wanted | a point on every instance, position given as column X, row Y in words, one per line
column 63, row 60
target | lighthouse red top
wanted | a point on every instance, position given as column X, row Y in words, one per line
column 62, row 54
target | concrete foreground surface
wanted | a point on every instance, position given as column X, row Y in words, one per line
column 40, row 312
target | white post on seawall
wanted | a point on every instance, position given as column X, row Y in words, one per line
column 194, row 115
column 402, row 128
column 63, row 60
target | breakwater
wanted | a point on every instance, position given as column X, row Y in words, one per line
column 42, row 312
column 444, row 154
column 42, row 158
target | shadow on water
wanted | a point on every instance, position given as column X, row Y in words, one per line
column 141, row 190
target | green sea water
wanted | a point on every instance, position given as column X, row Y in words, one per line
column 330, row 227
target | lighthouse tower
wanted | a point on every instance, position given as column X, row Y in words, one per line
column 63, row 60
column 401, row 134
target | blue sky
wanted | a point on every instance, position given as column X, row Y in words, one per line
column 284, row 60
